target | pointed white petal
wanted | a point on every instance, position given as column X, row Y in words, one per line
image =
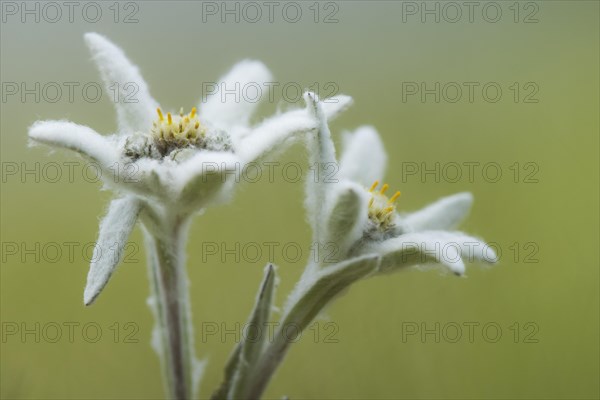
column 79, row 138
column 273, row 133
column 347, row 215
column 472, row 249
column 200, row 179
column 445, row 213
column 145, row 177
column 418, row 249
column 364, row 158
column 335, row 105
column 421, row 248
column 136, row 108
column 321, row 156
column 115, row 229
column 237, row 95
column 321, row 149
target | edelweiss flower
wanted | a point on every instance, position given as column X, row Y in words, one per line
column 168, row 165
column 355, row 214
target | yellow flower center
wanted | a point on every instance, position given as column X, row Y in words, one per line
column 179, row 129
column 381, row 208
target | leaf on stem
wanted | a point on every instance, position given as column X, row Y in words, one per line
column 326, row 285
column 248, row 351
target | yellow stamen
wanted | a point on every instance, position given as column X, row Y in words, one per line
column 373, row 186
column 169, row 118
column 193, row 113
column 388, row 210
column 181, row 112
column 394, row 198
column 186, row 120
column 197, row 125
column 371, row 201
column 160, row 114
column 384, row 188
column 180, row 127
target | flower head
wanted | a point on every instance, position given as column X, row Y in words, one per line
column 361, row 219
column 168, row 165
column 161, row 155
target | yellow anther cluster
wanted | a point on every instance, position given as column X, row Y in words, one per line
column 178, row 128
column 381, row 208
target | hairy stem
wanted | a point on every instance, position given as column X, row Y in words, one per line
column 270, row 360
column 311, row 298
column 171, row 300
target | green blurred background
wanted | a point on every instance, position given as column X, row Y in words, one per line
column 368, row 53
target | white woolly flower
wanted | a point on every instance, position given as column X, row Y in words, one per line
column 354, row 214
column 172, row 163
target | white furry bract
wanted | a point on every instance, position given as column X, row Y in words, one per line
column 446, row 213
column 346, row 218
column 273, row 132
column 364, row 158
column 335, row 105
column 136, row 107
column 79, row 138
column 321, row 159
column 447, row 248
column 115, row 229
column 233, row 100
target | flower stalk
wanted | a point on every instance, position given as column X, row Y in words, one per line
column 170, row 298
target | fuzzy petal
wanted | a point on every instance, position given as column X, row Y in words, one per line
column 364, row 158
column 234, row 102
column 472, row 249
column 197, row 181
column 321, row 155
column 418, row 249
column 145, row 177
column 322, row 148
column 115, row 229
column 446, row 213
column 347, row 217
column 136, row 108
column 446, row 248
column 273, row 133
column 79, row 138
column 335, row 105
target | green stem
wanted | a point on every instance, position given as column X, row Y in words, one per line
column 170, row 291
column 325, row 287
